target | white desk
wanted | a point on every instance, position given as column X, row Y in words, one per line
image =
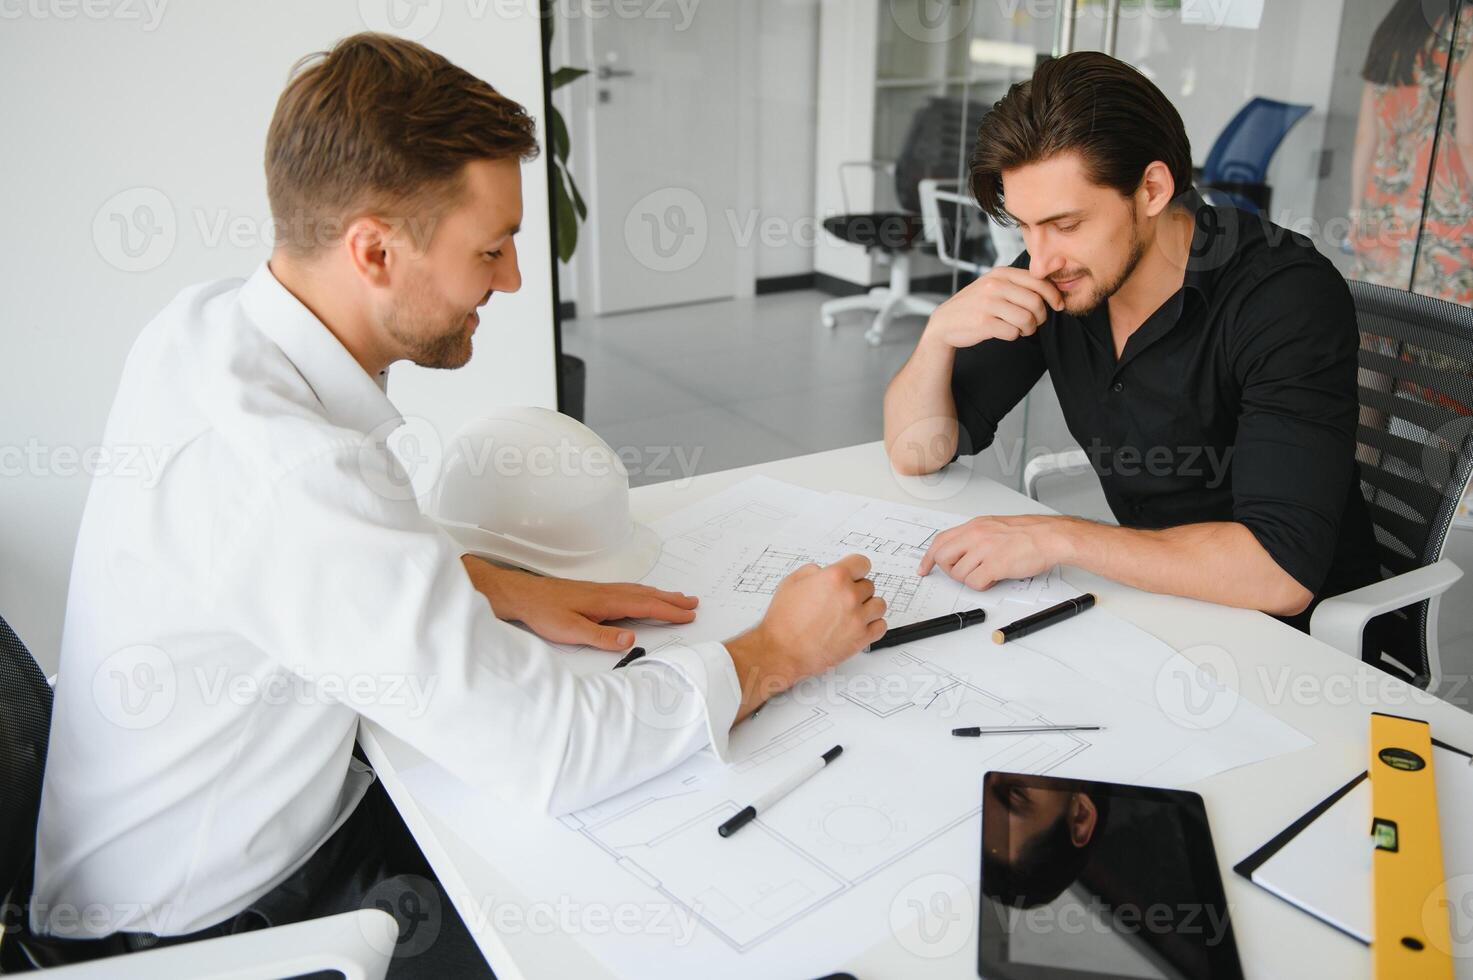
column 1316, row 689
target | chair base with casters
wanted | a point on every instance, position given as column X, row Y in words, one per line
column 885, row 302
column 893, row 235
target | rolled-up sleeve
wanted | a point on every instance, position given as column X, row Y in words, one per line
column 1294, row 455
column 336, row 580
column 987, row 382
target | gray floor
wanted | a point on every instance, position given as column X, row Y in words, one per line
column 730, row 383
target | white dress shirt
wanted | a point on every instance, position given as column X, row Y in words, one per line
column 246, row 590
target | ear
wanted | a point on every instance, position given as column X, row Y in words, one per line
column 1156, row 190
column 1083, row 816
column 367, row 241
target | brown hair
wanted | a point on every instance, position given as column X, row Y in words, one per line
column 380, row 123
column 1088, row 103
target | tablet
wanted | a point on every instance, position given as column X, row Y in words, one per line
column 1084, row 881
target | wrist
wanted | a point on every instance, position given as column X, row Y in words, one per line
column 1068, row 540
column 759, row 667
column 497, row 584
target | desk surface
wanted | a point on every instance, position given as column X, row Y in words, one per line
column 1318, row 690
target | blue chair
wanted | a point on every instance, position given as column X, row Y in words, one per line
column 1238, row 163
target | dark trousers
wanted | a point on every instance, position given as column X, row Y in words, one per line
column 371, row 861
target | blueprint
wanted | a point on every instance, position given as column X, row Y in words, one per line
column 814, row 880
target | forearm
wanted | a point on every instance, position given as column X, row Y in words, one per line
column 1220, row 562
column 920, row 415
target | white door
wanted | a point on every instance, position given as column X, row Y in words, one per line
column 658, row 154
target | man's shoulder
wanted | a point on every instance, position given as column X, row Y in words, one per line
column 1263, row 252
column 203, row 365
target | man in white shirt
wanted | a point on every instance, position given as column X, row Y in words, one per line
column 232, row 614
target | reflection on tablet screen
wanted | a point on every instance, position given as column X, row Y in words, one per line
column 1093, row 880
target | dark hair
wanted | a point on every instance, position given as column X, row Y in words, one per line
column 380, row 122
column 1046, row 864
column 1088, row 103
column 1402, row 38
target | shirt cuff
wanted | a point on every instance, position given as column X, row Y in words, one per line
column 707, row 667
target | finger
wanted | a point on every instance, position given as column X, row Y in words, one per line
column 1042, row 287
column 1026, row 298
column 966, row 565
column 574, row 628
column 928, row 560
column 674, row 598
column 980, row 579
column 950, row 553
column 649, row 607
column 874, row 608
column 863, row 589
column 1016, row 315
column 856, row 566
column 877, row 629
column 803, row 571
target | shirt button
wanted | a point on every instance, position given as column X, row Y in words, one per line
column 1118, row 386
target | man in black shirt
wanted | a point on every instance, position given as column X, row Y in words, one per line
column 1203, row 357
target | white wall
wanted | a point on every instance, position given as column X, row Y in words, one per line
column 784, row 116
column 171, row 109
column 787, row 121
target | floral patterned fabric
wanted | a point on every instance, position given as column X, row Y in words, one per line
column 1385, row 240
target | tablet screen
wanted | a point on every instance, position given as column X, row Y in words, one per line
column 1092, row 880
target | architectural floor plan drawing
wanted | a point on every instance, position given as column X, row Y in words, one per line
column 790, row 861
column 762, row 575
column 811, row 882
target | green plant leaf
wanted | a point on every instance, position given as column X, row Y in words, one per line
column 577, row 198
column 567, row 221
column 565, row 74
column 557, row 134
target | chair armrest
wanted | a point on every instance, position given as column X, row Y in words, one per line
column 357, row 944
column 1069, row 461
column 1341, row 620
column 933, row 191
column 884, row 166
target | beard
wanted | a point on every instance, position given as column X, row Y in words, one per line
column 427, row 334
column 1103, row 291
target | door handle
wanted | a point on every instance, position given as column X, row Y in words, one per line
column 605, row 72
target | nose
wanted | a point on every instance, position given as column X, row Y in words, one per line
column 1043, row 263
column 508, row 274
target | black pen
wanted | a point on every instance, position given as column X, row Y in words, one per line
column 926, row 628
column 1067, row 609
column 1021, row 730
column 629, row 657
column 749, row 813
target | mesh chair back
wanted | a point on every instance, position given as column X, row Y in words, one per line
column 936, row 146
column 25, row 721
column 1414, row 445
column 1245, row 146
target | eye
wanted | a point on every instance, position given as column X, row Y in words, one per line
column 1066, row 229
column 493, row 255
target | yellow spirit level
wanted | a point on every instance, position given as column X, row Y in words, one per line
column 1410, row 935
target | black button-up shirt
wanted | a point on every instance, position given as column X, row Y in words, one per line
column 1235, row 401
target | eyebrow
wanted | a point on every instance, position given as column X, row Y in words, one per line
column 508, row 233
column 1061, row 216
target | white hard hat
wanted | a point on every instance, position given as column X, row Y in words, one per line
column 536, row 489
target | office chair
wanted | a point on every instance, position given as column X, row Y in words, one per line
column 1414, row 444
column 357, row 944
column 1237, row 164
column 933, row 147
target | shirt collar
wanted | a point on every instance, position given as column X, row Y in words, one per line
column 1213, row 242
column 349, row 395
